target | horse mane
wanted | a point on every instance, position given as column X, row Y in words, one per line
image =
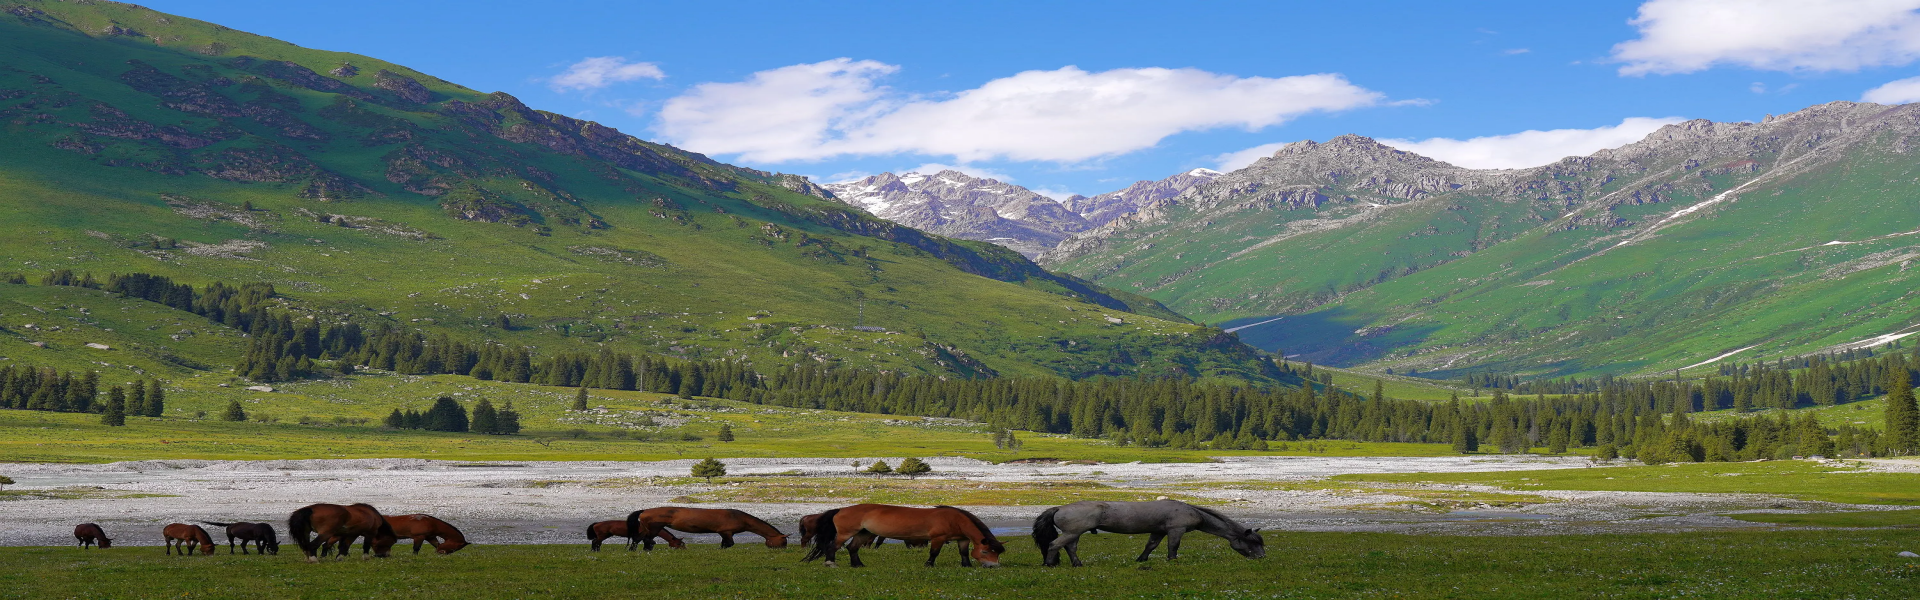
column 757, row 520
column 1233, row 527
column 986, row 533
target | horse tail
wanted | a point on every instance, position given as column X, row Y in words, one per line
column 1043, row 530
column 298, row 525
column 218, row 524
column 633, row 528
column 824, row 533
column 590, row 532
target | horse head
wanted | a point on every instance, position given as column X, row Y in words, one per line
column 449, row 547
column 778, row 541
column 1249, row 543
column 207, row 548
column 988, row 552
column 105, row 543
column 272, row 547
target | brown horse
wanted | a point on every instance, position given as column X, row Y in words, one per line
column 856, row 526
column 599, row 532
column 187, row 538
column 335, row 526
column 807, row 523
column 90, row 534
column 724, row 521
column 260, row 535
column 446, row 539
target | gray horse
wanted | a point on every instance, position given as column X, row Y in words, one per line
column 1162, row 518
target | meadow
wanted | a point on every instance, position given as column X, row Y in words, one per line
column 1831, row 482
column 1783, row 564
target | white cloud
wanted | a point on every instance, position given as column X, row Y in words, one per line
column 1234, row 161
column 1531, row 148
column 1058, row 194
column 601, row 71
column 835, row 108
column 1684, row 36
column 1895, row 92
column 1513, row 51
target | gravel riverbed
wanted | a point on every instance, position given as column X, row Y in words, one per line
column 553, row 502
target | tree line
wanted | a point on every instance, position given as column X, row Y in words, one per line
column 24, row 387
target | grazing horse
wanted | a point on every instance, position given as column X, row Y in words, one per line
column 333, row 524
column 187, row 538
column 599, row 532
column 90, row 534
column 855, row 527
column 259, row 534
column 724, row 521
column 1161, row 518
column 446, row 539
column 807, row 523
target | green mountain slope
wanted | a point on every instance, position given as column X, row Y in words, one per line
column 140, row 141
column 1770, row 239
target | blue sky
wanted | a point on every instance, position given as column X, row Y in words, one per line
column 1087, row 97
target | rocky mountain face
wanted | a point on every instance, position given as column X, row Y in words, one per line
column 1786, row 236
column 954, row 204
column 1104, row 208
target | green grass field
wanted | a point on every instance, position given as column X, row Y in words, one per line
column 1875, row 518
column 1796, row 479
column 1791, row 564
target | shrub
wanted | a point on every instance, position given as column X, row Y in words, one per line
column 709, row 469
column 912, row 467
column 880, row 468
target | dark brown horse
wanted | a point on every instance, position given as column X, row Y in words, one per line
column 807, row 523
column 90, row 534
column 187, row 538
column 599, row 532
column 260, row 535
column 855, row 527
column 334, row 527
column 425, row 529
column 724, row 521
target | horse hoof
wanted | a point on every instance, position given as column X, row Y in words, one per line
column 831, row 564
column 313, row 560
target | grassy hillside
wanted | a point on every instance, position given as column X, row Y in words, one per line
column 139, row 141
column 1774, row 239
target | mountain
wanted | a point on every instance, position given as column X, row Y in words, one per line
column 956, row 204
column 365, row 191
column 1703, row 241
column 1104, row 208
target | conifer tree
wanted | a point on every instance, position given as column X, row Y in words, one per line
column 709, row 469
column 137, row 399
column 880, row 467
column 580, row 399
column 396, row 420
column 446, row 415
column 913, row 467
column 234, row 412
column 156, row 399
column 116, row 415
column 509, row 423
column 726, row 433
column 485, row 419
column 1903, row 416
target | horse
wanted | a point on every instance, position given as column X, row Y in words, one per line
column 259, row 534
column 856, row 526
column 446, row 539
column 807, row 523
column 645, row 524
column 333, row 524
column 599, row 532
column 187, row 538
column 1168, row 519
column 90, row 534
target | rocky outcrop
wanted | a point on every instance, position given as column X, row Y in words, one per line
column 404, row 87
column 954, row 204
column 1104, row 208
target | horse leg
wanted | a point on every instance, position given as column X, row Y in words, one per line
column 596, row 544
column 416, row 544
column 933, row 549
column 1173, row 543
column 1153, row 541
column 966, row 552
column 726, row 540
column 1051, row 557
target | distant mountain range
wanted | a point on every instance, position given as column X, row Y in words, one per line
column 1737, row 241
column 955, row 204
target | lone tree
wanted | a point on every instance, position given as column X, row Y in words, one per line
column 234, row 412
column 709, row 469
column 1902, row 414
column 880, row 468
column 5, row 481
column 580, row 399
column 726, row 433
column 912, row 467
